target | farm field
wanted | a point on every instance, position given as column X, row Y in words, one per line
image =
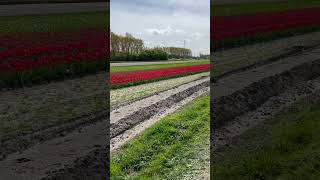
column 5, row 2
column 139, row 81
column 136, row 66
column 128, row 94
column 124, row 76
column 53, row 22
column 135, row 63
column 27, row 60
column 240, row 57
column 52, row 82
column 262, row 127
column 268, row 23
column 260, row 7
column 120, row 79
column 155, row 93
column 36, row 54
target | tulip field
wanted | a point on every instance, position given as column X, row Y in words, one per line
column 224, row 27
column 41, row 48
column 228, row 30
column 31, row 57
column 120, row 79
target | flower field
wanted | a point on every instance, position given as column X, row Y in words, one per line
column 121, row 78
column 29, row 57
column 232, row 27
column 122, row 95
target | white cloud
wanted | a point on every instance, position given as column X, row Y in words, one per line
column 165, row 22
column 164, row 31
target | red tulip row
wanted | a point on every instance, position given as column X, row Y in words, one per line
column 50, row 49
column 224, row 27
column 135, row 76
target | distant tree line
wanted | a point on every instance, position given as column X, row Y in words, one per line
column 177, row 53
column 126, row 44
column 129, row 48
column 204, row 56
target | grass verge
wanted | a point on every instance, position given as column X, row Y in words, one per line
column 164, row 151
column 253, row 8
column 286, row 148
column 156, row 66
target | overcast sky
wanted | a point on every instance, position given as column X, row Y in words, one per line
column 164, row 22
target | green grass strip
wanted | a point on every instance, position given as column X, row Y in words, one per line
column 53, row 22
column 253, row 8
column 288, row 148
column 163, row 151
column 156, row 66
